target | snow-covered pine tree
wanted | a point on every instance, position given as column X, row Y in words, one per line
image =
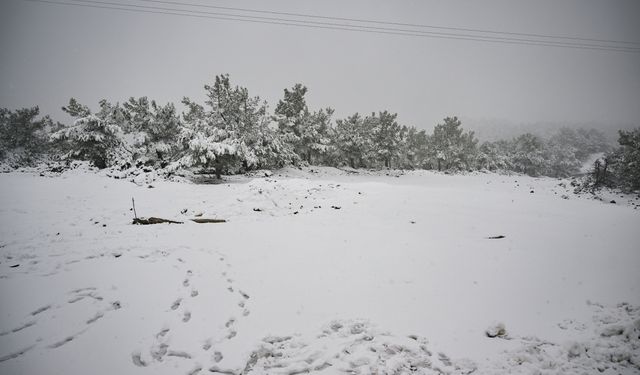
column 205, row 141
column 232, row 133
column 528, row 155
column 309, row 133
column 414, row 148
column 624, row 162
column 155, row 130
column 315, row 138
column 352, row 141
column 451, row 147
column 385, row 136
column 97, row 138
column 495, row 156
column 561, row 158
column 23, row 134
column 290, row 116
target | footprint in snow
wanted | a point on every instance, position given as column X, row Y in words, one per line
column 195, row 370
column 217, row 357
column 136, row 357
column 19, row 328
column 40, row 310
column 176, row 304
column 162, row 333
column 207, row 345
column 186, row 317
column 179, row 354
column 16, row 354
column 66, row 340
column 95, row 318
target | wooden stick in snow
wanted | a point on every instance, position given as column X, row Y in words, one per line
column 135, row 215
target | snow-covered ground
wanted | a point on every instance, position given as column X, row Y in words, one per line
column 319, row 271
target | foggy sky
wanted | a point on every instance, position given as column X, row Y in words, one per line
column 50, row 53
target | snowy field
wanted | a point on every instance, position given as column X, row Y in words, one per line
column 319, row 271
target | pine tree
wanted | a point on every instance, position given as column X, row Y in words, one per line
column 231, row 133
column 451, row 147
column 155, row 129
column 385, row 136
column 528, row 155
column 97, row 138
column 353, row 141
column 23, row 132
column 624, row 162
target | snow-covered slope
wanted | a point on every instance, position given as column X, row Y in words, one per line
column 321, row 271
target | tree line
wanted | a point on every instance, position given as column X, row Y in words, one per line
column 234, row 132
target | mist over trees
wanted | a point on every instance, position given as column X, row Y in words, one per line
column 234, row 132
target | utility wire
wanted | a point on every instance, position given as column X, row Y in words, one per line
column 331, row 26
column 569, row 44
column 391, row 23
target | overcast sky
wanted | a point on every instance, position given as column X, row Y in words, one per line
column 52, row 52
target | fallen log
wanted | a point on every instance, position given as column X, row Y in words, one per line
column 154, row 220
column 203, row 221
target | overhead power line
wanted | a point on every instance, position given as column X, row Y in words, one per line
column 391, row 23
column 332, row 26
column 358, row 27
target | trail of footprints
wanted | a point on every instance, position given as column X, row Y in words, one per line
column 51, row 310
column 160, row 349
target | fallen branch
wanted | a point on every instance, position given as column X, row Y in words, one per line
column 203, row 221
column 154, row 220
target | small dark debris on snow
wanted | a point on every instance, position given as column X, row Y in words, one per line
column 495, row 237
column 412, row 222
column 150, row 187
column 257, row 209
column 295, row 212
column 14, row 266
column 184, row 211
column 532, row 192
column 613, row 201
column 104, row 225
column 336, row 207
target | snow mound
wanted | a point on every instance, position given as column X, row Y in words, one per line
column 352, row 347
column 611, row 346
